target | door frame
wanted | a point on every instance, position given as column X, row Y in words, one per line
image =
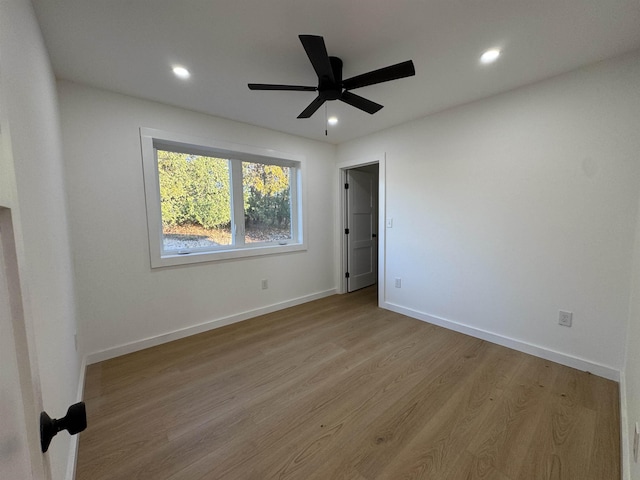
column 341, row 221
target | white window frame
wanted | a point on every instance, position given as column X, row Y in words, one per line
column 153, row 139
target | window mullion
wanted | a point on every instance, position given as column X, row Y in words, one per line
column 293, row 204
column 237, row 202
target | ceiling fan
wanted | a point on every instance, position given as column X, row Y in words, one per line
column 331, row 86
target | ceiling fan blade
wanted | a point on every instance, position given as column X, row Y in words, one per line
column 270, row 86
column 360, row 102
column 317, row 53
column 311, row 109
column 393, row 72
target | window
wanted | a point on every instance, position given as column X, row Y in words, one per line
column 213, row 200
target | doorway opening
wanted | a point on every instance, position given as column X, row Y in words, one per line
column 360, row 219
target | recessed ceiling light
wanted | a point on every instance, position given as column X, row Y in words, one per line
column 181, row 72
column 490, row 56
column 332, row 120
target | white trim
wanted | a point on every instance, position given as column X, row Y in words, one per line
column 382, row 228
column 536, row 350
column 237, row 150
column 625, row 446
column 203, row 327
column 341, row 218
column 199, row 257
column 75, row 439
column 379, row 159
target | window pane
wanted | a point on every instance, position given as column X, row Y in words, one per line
column 267, row 202
column 195, row 200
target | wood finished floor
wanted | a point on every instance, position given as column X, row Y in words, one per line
column 339, row 389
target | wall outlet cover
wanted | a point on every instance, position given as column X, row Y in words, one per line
column 565, row 318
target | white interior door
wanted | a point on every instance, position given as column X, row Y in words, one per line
column 16, row 440
column 14, row 450
column 18, row 448
column 361, row 225
column 20, row 391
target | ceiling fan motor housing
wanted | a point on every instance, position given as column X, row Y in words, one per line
column 331, row 90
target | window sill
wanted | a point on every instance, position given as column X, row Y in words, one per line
column 170, row 260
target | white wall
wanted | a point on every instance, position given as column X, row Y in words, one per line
column 120, row 298
column 509, row 209
column 33, row 187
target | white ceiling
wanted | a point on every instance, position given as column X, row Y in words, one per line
column 128, row 46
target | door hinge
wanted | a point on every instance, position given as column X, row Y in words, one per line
column 346, row 186
column 346, row 275
column 346, row 231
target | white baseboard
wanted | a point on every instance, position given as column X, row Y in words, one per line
column 73, row 446
column 538, row 351
column 203, row 327
column 624, row 429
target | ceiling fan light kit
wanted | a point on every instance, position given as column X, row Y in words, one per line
column 331, row 86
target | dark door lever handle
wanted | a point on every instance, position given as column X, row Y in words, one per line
column 373, row 235
column 75, row 421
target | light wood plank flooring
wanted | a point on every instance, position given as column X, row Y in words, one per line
column 339, row 389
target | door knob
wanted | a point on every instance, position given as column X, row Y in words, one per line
column 75, row 421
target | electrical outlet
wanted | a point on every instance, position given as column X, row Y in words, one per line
column 565, row 318
column 636, row 437
column 265, row 284
column 398, row 283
